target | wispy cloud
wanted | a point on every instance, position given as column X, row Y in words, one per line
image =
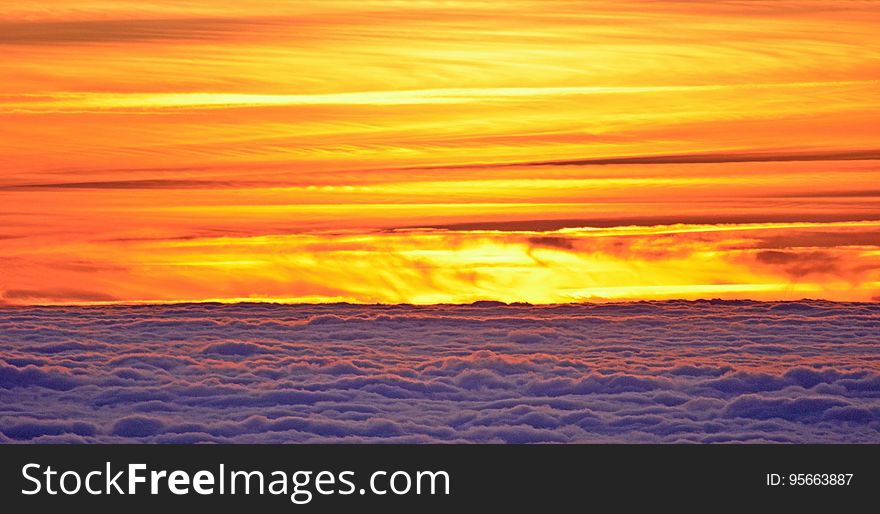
column 88, row 101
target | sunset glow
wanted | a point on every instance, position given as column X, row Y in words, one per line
column 439, row 152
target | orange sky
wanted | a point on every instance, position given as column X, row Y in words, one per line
column 427, row 151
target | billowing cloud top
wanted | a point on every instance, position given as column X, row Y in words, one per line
column 704, row 371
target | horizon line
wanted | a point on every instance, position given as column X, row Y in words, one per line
column 475, row 303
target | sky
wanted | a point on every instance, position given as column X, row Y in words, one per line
column 438, row 151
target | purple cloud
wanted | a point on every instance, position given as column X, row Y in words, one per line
column 676, row 371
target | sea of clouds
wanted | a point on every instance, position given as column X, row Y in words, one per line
column 705, row 371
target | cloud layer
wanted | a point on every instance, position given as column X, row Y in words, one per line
column 705, row 371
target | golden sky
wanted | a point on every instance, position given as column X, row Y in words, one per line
column 439, row 151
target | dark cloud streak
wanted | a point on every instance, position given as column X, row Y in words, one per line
column 696, row 158
column 118, row 30
column 543, row 225
column 125, row 184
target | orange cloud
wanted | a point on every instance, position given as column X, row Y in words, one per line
column 440, row 266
